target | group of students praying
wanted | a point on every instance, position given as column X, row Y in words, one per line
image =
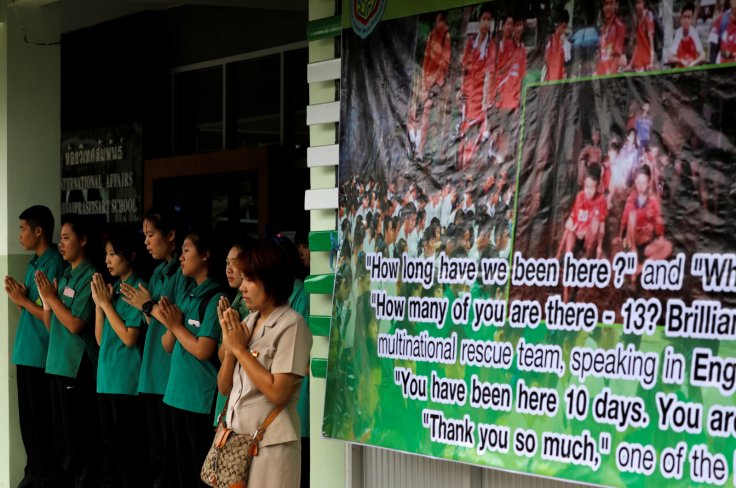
column 121, row 376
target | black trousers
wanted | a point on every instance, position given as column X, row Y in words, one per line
column 123, row 440
column 76, row 427
column 305, row 462
column 160, row 442
column 34, row 411
column 193, row 435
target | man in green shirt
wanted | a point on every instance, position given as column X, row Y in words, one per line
column 31, row 347
column 72, row 356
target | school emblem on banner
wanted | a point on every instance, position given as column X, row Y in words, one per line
column 365, row 15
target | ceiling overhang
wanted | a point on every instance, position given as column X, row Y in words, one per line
column 79, row 14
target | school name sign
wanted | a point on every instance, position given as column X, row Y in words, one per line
column 102, row 173
column 534, row 271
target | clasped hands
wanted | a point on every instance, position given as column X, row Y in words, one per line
column 101, row 292
column 46, row 289
column 17, row 292
column 235, row 334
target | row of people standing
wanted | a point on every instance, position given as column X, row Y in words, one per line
column 96, row 359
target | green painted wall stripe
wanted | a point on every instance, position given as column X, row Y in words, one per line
column 322, row 240
column 322, row 284
column 319, row 368
column 324, row 28
column 320, row 325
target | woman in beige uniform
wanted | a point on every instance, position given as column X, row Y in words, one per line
column 266, row 358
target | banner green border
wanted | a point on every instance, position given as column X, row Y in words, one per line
column 395, row 9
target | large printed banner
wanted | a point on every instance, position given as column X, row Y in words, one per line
column 537, row 262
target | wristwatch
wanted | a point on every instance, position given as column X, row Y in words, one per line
column 147, row 308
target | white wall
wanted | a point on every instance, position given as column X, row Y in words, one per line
column 29, row 174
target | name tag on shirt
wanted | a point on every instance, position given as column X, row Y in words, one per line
column 193, row 322
column 68, row 292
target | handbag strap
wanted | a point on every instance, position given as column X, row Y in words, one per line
column 271, row 417
column 261, row 428
column 221, row 417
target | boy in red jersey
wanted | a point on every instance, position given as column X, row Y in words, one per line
column 642, row 225
column 643, row 57
column 722, row 37
column 651, row 158
column 686, row 49
column 557, row 51
column 511, row 64
column 589, row 156
column 477, row 64
column 434, row 72
column 611, row 55
column 585, row 227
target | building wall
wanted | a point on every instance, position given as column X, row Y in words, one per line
column 328, row 458
column 119, row 72
column 29, row 174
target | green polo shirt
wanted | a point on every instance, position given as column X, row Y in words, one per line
column 167, row 281
column 32, row 338
column 239, row 305
column 192, row 383
column 299, row 301
column 66, row 349
column 119, row 366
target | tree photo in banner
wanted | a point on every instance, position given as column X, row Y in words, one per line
column 536, row 269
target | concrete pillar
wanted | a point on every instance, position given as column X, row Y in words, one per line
column 328, row 468
column 29, row 174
